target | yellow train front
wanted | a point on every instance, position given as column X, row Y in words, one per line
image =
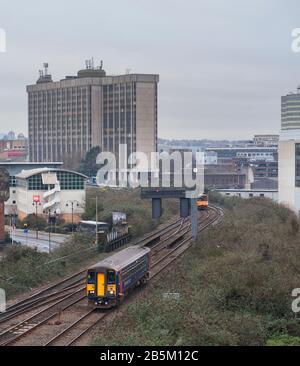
column 202, row 202
column 111, row 280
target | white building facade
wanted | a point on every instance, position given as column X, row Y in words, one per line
column 289, row 152
column 50, row 191
column 289, row 170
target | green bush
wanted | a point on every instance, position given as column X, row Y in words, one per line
column 138, row 210
column 284, row 340
column 34, row 222
column 235, row 285
column 23, row 268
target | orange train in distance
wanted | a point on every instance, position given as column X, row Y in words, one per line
column 202, row 202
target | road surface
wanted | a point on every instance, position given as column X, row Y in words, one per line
column 42, row 244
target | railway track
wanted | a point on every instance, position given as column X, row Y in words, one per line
column 83, row 325
column 45, row 294
column 38, row 302
column 15, row 332
column 50, row 293
column 173, row 242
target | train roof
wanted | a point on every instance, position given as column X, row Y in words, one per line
column 121, row 259
column 89, row 222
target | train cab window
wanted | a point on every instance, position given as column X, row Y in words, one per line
column 111, row 277
column 91, row 277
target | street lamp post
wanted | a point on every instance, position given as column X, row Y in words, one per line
column 52, row 216
column 50, row 223
column 72, row 203
column 96, row 198
column 36, row 203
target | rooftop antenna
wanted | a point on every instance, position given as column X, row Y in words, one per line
column 127, row 71
column 41, row 73
column 89, row 64
column 46, row 65
column 101, row 64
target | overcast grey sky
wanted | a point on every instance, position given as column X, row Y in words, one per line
column 223, row 65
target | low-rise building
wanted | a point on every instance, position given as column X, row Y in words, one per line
column 266, row 140
column 265, row 183
column 250, row 193
column 265, row 169
column 15, row 168
column 48, row 191
column 228, row 176
column 210, row 158
column 250, row 153
column 13, row 149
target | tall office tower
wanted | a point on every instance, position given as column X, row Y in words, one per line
column 289, row 152
column 68, row 117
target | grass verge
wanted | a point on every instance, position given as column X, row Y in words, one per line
column 235, row 286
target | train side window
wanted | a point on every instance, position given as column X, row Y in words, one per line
column 111, row 278
column 91, row 277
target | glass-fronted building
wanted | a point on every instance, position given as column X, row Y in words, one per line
column 14, row 168
column 50, row 191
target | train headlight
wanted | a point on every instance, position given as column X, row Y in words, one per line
column 111, row 291
column 92, row 292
